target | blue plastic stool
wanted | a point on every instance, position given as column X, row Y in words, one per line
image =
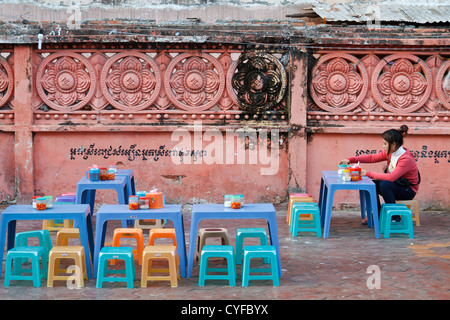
column 260, row 252
column 217, row 251
column 243, row 233
column 307, row 225
column 404, row 226
column 122, row 253
column 24, row 253
column 21, row 240
column 385, row 207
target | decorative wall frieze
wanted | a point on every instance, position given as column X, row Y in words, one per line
column 378, row 87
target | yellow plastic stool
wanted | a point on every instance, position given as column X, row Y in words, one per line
column 135, row 233
column 414, row 207
column 63, row 236
column 205, row 233
column 151, row 253
column 59, row 253
column 292, row 200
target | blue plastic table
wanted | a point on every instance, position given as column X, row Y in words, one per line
column 218, row 211
column 86, row 191
column 331, row 182
column 79, row 213
column 120, row 212
column 129, row 176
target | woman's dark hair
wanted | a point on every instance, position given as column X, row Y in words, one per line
column 395, row 136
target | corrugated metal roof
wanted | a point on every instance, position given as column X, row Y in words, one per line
column 435, row 12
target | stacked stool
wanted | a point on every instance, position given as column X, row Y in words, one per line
column 243, row 233
column 158, row 252
column 387, row 226
column 148, row 224
column 268, row 252
column 205, row 233
column 414, row 207
column 294, row 198
column 55, row 225
column 64, row 234
column 300, row 224
column 130, row 233
column 116, row 253
column 35, row 254
column 217, row 251
column 75, row 253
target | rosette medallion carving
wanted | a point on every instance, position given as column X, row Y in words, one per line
column 443, row 84
column 194, row 81
column 66, row 81
column 6, row 81
column 257, row 81
column 401, row 83
column 130, row 81
column 339, row 82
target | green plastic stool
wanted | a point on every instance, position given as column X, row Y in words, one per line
column 23, row 254
column 217, row 251
column 116, row 253
column 251, row 252
column 404, row 226
column 21, row 240
column 298, row 225
column 243, row 233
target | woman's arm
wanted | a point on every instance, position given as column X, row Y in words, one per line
column 369, row 158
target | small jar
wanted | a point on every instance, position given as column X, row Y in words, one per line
column 103, row 174
column 141, row 193
column 111, row 174
column 34, row 201
column 49, row 202
column 346, row 175
column 242, row 199
column 341, row 169
column 133, row 202
column 113, row 167
column 144, row 203
column 94, row 174
column 227, row 200
column 236, row 202
column 41, row 203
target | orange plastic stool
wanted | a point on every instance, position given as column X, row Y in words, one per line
column 153, row 252
column 64, row 234
column 129, row 233
column 414, row 207
column 168, row 233
column 293, row 199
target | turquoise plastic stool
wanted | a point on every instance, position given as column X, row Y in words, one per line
column 21, row 240
column 217, row 251
column 404, row 226
column 385, row 207
column 251, row 252
column 23, row 254
column 243, row 233
column 313, row 225
column 301, row 205
column 122, row 253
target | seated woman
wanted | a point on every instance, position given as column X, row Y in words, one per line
column 401, row 178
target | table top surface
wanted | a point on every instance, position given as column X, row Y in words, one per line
column 123, row 208
column 246, row 208
column 57, row 209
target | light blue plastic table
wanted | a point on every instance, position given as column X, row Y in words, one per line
column 79, row 213
column 331, row 182
column 86, row 191
column 218, row 211
column 120, row 212
column 129, row 176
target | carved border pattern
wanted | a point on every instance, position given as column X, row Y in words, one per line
column 173, row 82
column 6, row 81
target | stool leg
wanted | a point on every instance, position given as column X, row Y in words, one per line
column 231, row 270
column 36, row 271
column 173, row 272
column 274, row 265
column 203, row 268
column 144, row 271
column 129, row 272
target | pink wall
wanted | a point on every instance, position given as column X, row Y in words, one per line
column 7, row 170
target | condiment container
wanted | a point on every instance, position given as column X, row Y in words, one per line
column 242, row 199
column 341, row 169
column 156, row 200
column 227, row 200
column 143, row 203
column 346, row 175
column 103, row 174
column 49, row 202
column 111, row 174
column 236, row 202
column 133, row 202
column 41, row 203
column 94, row 174
column 34, row 201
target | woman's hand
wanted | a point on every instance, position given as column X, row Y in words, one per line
column 345, row 161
